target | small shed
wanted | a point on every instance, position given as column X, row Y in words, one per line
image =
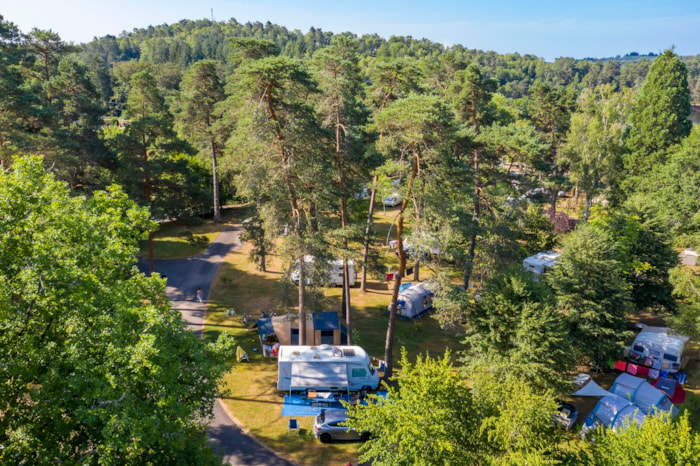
column 689, row 257
column 413, row 302
column 541, row 262
column 327, row 329
column 321, row 328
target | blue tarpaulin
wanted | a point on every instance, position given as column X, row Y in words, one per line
column 265, row 326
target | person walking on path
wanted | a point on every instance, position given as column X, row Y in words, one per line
column 200, row 296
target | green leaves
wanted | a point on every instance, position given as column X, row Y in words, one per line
column 98, row 366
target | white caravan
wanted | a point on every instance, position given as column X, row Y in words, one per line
column 335, row 272
column 325, row 368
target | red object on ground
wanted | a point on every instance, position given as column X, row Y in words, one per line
column 633, row 369
column 620, row 365
column 642, row 371
column 678, row 395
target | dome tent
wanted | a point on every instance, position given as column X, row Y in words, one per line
column 640, row 392
column 413, row 302
column 616, row 412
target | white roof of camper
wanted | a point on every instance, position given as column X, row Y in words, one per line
column 662, row 338
column 306, row 374
column 546, row 258
column 322, row 353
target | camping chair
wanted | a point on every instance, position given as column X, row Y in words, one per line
column 241, row 355
column 293, row 427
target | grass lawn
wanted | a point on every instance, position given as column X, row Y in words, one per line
column 252, row 394
column 171, row 239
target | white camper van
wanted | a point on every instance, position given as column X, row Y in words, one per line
column 335, row 272
column 542, row 262
column 325, row 368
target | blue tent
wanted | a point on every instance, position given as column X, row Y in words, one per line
column 640, row 392
column 616, row 412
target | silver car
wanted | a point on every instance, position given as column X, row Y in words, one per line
column 327, row 427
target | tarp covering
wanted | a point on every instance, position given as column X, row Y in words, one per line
column 309, row 374
column 592, row 389
column 265, row 326
column 326, row 321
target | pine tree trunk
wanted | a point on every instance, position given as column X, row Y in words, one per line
column 215, row 184
column 368, row 228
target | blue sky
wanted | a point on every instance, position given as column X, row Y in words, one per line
column 548, row 29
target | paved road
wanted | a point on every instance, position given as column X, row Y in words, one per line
column 184, row 276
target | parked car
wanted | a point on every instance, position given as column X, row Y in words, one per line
column 327, row 427
column 393, row 200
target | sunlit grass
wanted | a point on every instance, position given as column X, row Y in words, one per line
column 170, row 241
column 252, row 394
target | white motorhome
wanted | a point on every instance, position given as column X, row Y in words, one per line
column 325, row 368
column 335, row 272
column 542, row 262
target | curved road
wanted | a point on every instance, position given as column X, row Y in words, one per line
column 184, row 276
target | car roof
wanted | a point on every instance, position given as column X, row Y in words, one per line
column 335, row 415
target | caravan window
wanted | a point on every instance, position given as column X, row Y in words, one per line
column 671, row 357
column 359, row 372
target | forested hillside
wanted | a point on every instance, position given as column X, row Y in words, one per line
column 493, row 157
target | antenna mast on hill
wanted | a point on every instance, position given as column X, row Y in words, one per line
column 212, row 15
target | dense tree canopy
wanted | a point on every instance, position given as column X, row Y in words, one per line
column 98, row 367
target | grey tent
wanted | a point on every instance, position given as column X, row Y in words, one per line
column 413, row 302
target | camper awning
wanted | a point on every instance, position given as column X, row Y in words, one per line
column 309, row 374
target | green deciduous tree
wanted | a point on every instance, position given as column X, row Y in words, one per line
column 429, row 419
column 658, row 441
column 672, row 189
column 515, row 418
column 595, row 142
column 98, row 368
